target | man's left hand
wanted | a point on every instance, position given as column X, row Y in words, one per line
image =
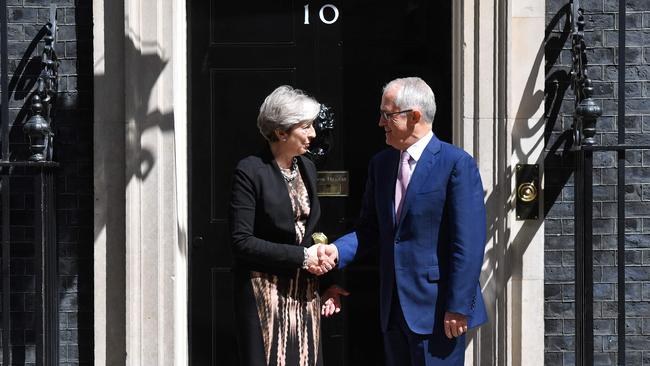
column 455, row 324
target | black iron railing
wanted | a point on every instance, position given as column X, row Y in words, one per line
column 6, row 263
column 584, row 146
column 586, row 113
column 41, row 167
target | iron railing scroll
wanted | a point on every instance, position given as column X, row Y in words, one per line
column 586, row 109
column 40, row 165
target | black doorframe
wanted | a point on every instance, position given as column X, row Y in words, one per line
column 440, row 78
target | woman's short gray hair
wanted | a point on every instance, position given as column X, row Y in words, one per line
column 284, row 108
column 414, row 92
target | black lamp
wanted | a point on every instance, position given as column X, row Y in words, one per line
column 38, row 131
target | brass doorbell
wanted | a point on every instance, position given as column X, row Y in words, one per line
column 528, row 188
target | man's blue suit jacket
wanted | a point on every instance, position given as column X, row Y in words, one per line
column 433, row 255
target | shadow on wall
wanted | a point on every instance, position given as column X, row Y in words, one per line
column 556, row 134
column 124, row 153
column 504, row 263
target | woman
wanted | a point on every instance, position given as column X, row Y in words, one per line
column 273, row 213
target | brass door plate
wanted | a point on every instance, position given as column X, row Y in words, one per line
column 527, row 191
column 332, row 183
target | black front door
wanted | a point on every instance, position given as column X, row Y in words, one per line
column 341, row 53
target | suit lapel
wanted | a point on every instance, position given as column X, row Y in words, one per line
column 280, row 186
column 386, row 183
column 310, row 182
column 424, row 167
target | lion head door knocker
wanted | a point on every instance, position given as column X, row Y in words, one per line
column 324, row 126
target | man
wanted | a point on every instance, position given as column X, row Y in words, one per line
column 423, row 210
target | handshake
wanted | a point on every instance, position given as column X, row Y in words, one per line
column 321, row 258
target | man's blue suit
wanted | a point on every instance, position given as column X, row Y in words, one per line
column 433, row 255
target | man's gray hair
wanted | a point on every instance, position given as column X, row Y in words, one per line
column 414, row 93
column 284, row 108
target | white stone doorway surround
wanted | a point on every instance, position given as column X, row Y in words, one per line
column 141, row 189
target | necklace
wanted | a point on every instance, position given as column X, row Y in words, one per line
column 291, row 173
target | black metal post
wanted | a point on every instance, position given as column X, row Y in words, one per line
column 588, row 258
column 39, row 262
column 6, row 249
column 579, row 245
column 621, row 184
column 584, row 124
column 6, row 272
column 47, row 350
column 4, row 80
column 47, row 322
column 584, row 258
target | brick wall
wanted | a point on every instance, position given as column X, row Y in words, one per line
column 601, row 38
column 74, row 190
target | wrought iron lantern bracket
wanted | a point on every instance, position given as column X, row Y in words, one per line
column 587, row 110
column 38, row 127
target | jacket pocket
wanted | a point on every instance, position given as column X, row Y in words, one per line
column 428, row 192
column 433, row 274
